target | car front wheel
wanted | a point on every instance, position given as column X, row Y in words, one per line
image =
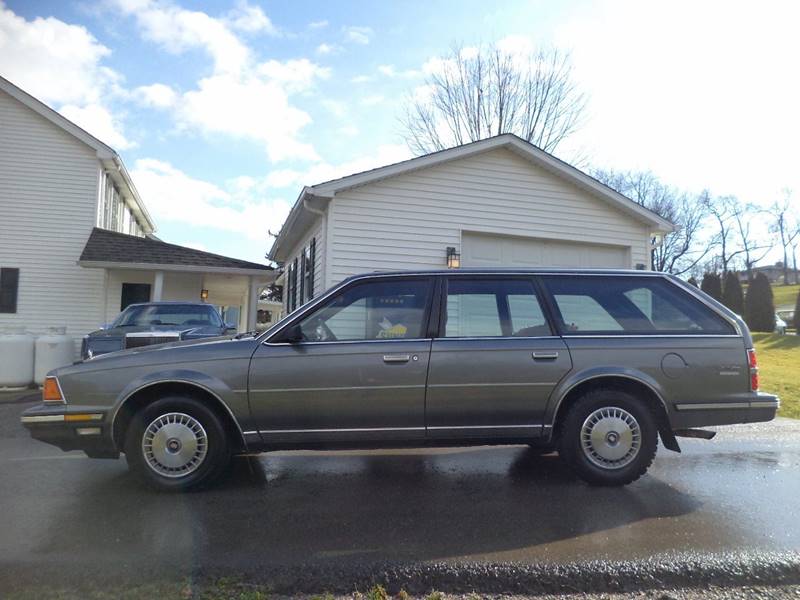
column 608, row 437
column 177, row 444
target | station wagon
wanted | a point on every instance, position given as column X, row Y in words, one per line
column 596, row 364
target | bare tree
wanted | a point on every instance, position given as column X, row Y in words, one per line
column 787, row 227
column 680, row 251
column 750, row 246
column 478, row 93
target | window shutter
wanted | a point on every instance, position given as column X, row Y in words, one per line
column 312, row 267
column 9, row 286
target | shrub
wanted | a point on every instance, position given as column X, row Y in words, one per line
column 797, row 314
column 712, row 285
column 759, row 309
column 732, row 294
column 692, row 281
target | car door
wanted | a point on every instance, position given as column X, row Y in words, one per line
column 495, row 360
column 353, row 368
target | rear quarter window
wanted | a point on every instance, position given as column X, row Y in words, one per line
column 601, row 305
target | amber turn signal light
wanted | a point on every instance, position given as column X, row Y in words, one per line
column 51, row 391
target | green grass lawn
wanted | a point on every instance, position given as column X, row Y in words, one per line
column 785, row 295
column 779, row 369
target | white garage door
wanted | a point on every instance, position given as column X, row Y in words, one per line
column 486, row 250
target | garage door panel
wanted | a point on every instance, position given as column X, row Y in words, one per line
column 487, row 250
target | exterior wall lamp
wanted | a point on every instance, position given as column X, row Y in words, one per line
column 453, row 258
column 203, row 295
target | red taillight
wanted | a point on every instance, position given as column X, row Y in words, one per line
column 752, row 362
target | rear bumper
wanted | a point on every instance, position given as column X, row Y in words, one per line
column 71, row 429
column 762, row 407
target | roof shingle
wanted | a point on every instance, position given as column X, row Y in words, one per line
column 110, row 246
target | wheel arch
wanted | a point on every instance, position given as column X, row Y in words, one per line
column 151, row 391
column 636, row 386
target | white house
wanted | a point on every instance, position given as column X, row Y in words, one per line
column 496, row 202
column 76, row 241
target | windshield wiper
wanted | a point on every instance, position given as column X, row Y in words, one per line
column 239, row 336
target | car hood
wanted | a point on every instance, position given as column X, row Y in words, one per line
column 184, row 330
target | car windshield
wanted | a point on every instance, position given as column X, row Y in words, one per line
column 169, row 314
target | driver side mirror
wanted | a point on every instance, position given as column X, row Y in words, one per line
column 293, row 335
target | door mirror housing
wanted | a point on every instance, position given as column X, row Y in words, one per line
column 293, row 335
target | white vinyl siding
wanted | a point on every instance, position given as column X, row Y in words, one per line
column 48, row 206
column 407, row 221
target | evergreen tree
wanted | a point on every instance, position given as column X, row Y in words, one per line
column 759, row 309
column 712, row 285
column 732, row 294
column 797, row 315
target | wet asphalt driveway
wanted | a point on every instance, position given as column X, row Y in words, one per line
column 480, row 518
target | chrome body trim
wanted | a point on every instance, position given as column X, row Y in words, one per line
column 356, row 430
column 450, row 427
column 43, row 419
column 729, row 405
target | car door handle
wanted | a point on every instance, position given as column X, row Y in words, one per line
column 396, row 358
column 544, row 355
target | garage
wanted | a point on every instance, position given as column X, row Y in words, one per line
column 492, row 250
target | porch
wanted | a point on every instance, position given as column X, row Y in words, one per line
column 147, row 270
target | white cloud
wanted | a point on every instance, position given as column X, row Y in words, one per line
column 324, row 49
column 289, row 178
column 251, row 19
column 318, row 24
column 358, row 35
column 336, row 107
column 157, row 95
column 348, row 131
column 372, row 100
column 242, row 98
column 295, row 74
column 390, row 71
column 172, row 195
column 360, row 79
column 60, row 64
column 100, row 122
column 686, row 97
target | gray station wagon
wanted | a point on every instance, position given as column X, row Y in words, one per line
column 595, row 364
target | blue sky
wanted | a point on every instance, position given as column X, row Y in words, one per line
column 223, row 110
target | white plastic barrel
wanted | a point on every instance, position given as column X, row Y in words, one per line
column 16, row 358
column 53, row 349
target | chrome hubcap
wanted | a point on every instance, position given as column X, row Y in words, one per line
column 611, row 438
column 174, row 445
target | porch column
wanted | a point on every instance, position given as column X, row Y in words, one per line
column 158, row 286
column 253, row 291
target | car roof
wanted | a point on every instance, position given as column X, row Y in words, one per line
column 171, row 303
column 510, row 271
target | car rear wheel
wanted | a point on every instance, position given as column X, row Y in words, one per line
column 177, row 444
column 608, row 437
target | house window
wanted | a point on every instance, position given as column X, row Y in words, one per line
column 9, row 287
column 310, row 258
column 291, row 286
column 134, row 293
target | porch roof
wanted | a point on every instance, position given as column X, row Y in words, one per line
column 109, row 249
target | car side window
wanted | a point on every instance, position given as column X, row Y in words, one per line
column 493, row 308
column 373, row 310
column 635, row 305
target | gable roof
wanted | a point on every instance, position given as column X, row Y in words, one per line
column 109, row 158
column 327, row 190
column 110, row 249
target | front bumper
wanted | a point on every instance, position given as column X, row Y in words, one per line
column 758, row 408
column 71, row 428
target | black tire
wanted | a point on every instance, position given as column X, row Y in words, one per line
column 628, row 468
column 203, row 470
